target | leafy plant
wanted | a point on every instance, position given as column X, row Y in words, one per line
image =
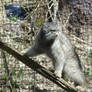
column 40, row 21
column 4, row 77
column 88, row 72
column 20, row 73
column 90, row 53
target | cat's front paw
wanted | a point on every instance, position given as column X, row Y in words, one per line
column 80, row 89
column 58, row 74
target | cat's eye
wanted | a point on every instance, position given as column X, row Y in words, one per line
column 53, row 30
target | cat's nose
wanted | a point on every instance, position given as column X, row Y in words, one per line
column 56, row 33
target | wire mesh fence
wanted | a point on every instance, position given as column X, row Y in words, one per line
column 20, row 21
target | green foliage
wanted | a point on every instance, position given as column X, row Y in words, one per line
column 13, row 18
column 39, row 22
column 4, row 77
column 20, row 73
column 6, row 2
column 90, row 53
column 88, row 72
column 13, row 71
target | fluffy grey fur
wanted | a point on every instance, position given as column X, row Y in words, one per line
column 54, row 43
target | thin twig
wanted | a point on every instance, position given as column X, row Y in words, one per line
column 79, row 39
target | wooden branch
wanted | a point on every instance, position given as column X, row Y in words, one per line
column 39, row 69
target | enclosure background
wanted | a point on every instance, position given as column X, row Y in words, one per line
column 15, row 34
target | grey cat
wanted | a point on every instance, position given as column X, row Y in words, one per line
column 54, row 43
